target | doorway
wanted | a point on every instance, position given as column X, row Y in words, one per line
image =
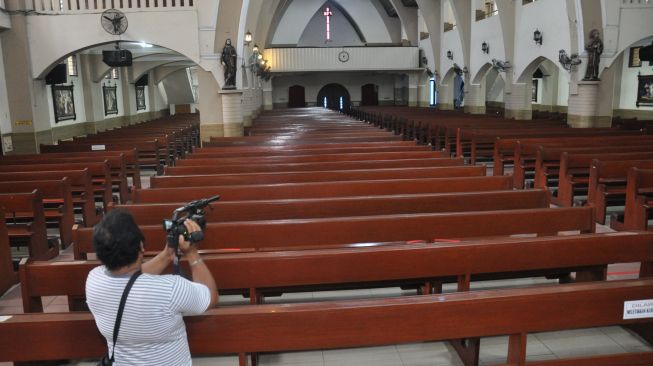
column 333, row 96
column 369, row 94
column 296, row 97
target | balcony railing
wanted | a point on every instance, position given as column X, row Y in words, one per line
column 88, row 6
column 342, row 59
column 636, row 3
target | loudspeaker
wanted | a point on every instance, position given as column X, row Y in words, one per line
column 58, row 75
column 117, row 58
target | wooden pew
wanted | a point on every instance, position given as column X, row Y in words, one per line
column 219, row 160
column 368, row 229
column 313, row 176
column 325, row 189
column 247, row 141
column 153, row 214
column 7, row 275
column 607, row 184
column 25, row 222
column 575, row 170
column 378, row 322
column 289, row 151
column 150, row 153
column 100, row 172
column 55, row 193
column 326, row 166
column 130, row 157
column 81, row 186
column 638, row 199
column 259, row 273
column 547, row 161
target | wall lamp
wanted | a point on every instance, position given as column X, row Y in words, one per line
column 537, row 37
column 569, row 63
column 485, row 48
column 248, row 38
column 450, row 55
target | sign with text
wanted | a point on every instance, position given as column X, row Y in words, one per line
column 639, row 309
column 98, row 147
column 24, row 122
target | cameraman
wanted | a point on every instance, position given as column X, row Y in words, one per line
column 152, row 330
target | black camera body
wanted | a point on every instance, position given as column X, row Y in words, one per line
column 193, row 211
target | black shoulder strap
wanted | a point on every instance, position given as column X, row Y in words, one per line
column 123, row 300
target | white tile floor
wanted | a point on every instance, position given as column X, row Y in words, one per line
column 493, row 350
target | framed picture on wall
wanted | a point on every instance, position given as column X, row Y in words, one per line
column 140, row 98
column 63, row 101
column 534, row 92
column 110, row 100
column 633, row 59
column 644, row 90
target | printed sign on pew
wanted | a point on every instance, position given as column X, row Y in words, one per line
column 98, row 147
column 639, row 309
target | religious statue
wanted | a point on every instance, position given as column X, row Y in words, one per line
column 594, row 50
column 229, row 61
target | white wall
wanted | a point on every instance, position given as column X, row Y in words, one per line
column 629, row 84
column 299, row 13
column 5, row 118
column 353, row 82
column 342, row 32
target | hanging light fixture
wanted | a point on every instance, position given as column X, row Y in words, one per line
column 485, row 48
column 255, row 49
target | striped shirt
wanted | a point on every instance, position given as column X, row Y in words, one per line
column 152, row 331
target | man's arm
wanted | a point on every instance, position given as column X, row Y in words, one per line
column 199, row 271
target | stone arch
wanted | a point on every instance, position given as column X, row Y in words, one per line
column 332, row 92
column 549, row 92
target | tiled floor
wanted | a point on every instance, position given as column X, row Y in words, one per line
column 541, row 346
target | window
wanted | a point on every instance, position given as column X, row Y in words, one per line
column 341, row 104
column 72, row 65
column 432, row 93
column 325, row 102
column 114, row 73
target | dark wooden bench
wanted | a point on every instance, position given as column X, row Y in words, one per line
column 547, row 161
column 313, row 176
column 57, row 201
column 573, row 177
column 316, row 158
column 299, row 167
column 218, row 153
column 150, row 153
column 25, row 223
column 607, row 185
column 100, row 170
column 153, row 214
column 81, row 186
column 289, row 327
column 130, row 157
column 369, row 229
column 260, row 273
column 8, row 277
column 639, row 205
column 522, row 151
column 324, row 189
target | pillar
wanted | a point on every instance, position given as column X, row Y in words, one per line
column 232, row 112
column 583, row 106
column 517, row 101
column 210, row 106
column 475, row 98
column 445, row 96
column 267, row 95
column 413, row 93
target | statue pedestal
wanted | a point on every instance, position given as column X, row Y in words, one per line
column 232, row 112
column 583, row 106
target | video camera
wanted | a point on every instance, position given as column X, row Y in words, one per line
column 194, row 211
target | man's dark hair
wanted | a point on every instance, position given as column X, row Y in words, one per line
column 117, row 239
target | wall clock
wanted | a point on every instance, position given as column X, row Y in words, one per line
column 343, row 56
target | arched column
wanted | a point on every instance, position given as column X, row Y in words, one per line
column 210, row 106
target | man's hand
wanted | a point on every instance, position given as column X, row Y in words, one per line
column 184, row 246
